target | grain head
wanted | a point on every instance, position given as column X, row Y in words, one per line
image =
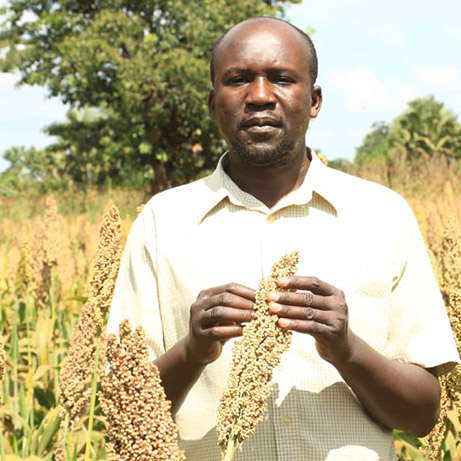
column 254, row 358
column 105, row 270
column 134, row 402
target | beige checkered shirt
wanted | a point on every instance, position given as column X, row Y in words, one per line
column 353, row 234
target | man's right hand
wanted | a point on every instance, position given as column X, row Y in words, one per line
column 216, row 316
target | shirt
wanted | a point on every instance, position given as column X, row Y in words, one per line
column 356, row 235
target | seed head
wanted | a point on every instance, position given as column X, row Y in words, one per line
column 451, row 255
column 433, row 442
column 254, row 358
column 140, row 208
column 75, row 376
column 323, row 159
column 454, row 314
column 24, row 272
column 450, row 383
column 52, row 238
column 134, row 402
column 107, row 263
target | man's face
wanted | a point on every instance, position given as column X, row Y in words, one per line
column 263, row 98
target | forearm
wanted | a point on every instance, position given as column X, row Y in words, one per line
column 179, row 370
column 397, row 395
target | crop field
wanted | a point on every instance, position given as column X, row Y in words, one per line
column 51, row 271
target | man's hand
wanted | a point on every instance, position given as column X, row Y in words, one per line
column 397, row 395
column 318, row 309
column 216, row 316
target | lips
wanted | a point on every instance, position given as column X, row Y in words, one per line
column 260, row 122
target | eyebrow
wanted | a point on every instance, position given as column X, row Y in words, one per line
column 247, row 69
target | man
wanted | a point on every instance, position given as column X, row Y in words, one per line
column 370, row 329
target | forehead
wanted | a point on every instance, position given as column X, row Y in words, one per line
column 263, row 43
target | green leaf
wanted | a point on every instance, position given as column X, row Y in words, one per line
column 47, row 430
column 145, row 148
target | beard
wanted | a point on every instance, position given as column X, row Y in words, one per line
column 262, row 156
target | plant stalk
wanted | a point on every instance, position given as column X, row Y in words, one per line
column 231, row 448
column 94, row 383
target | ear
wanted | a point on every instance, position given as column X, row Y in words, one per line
column 316, row 101
column 211, row 106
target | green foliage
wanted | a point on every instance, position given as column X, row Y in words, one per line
column 143, row 68
column 32, row 168
column 427, row 129
column 375, row 144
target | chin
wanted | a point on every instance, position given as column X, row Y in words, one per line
column 262, row 155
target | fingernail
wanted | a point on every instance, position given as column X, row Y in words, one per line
column 284, row 323
column 283, row 281
column 274, row 307
column 273, row 296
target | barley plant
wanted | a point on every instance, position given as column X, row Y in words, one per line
column 254, row 358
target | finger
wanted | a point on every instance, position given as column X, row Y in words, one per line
column 313, row 284
column 301, row 313
column 300, row 298
column 319, row 331
column 222, row 333
column 226, row 299
column 224, row 315
column 233, row 288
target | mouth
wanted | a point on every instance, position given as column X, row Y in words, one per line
column 260, row 123
column 261, row 129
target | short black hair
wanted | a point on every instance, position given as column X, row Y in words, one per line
column 313, row 61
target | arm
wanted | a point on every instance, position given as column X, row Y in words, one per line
column 397, row 395
column 216, row 316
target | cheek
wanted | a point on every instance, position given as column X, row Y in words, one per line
column 227, row 113
column 298, row 103
column 300, row 115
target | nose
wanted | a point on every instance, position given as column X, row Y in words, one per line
column 260, row 93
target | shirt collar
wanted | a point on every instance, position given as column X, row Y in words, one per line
column 318, row 180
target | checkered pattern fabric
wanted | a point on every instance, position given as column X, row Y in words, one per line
column 353, row 234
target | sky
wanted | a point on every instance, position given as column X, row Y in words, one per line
column 374, row 57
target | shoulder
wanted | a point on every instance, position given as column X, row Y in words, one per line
column 181, row 202
column 360, row 196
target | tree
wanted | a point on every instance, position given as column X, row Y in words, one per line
column 375, row 144
column 142, row 64
column 34, row 167
column 426, row 129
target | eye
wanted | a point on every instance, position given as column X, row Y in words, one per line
column 282, row 80
column 238, row 80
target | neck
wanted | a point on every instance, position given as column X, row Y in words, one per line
column 269, row 183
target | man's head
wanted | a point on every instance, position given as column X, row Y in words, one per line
column 310, row 50
column 264, row 72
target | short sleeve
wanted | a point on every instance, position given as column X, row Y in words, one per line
column 419, row 329
column 135, row 295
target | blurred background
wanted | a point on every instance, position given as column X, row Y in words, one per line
column 105, row 102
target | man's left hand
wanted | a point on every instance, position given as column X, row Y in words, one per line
column 397, row 395
column 318, row 309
